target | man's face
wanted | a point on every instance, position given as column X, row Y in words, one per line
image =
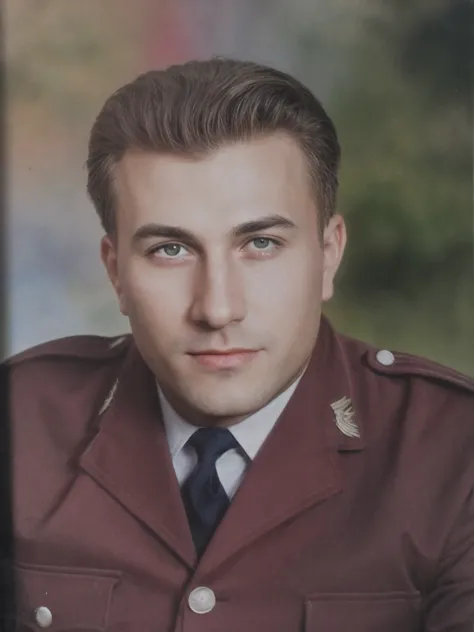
column 219, row 265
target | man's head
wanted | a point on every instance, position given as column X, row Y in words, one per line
column 215, row 183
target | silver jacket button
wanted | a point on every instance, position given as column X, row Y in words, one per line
column 385, row 357
column 202, row 600
column 43, row 617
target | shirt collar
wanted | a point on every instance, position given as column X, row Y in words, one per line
column 250, row 433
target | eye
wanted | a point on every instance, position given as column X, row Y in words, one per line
column 263, row 245
column 169, row 251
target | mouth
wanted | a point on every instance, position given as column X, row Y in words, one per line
column 224, row 359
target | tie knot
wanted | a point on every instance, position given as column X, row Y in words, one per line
column 211, row 443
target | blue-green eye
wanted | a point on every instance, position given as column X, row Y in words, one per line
column 171, row 250
column 262, row 243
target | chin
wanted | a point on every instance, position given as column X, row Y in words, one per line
column 226, row 403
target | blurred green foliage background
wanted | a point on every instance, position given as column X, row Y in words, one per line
column 396, row 77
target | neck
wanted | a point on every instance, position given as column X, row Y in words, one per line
column 202, row 418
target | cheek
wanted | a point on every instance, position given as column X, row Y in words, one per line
column 295, row 279
column 153, row 296
column 286, row 296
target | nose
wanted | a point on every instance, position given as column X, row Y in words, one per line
column 218, row 297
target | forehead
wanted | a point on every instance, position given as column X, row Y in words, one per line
column 233, row 184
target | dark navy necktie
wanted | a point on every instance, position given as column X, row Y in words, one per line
column 204, row 497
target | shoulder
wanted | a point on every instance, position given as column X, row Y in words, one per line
column 409, row 393
column 416, row 412
column 56, row 363
column 396, row 369
column 61, row 383
column 71, row 350
column 395, row 364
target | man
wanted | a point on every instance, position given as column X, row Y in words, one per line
column 234, row 464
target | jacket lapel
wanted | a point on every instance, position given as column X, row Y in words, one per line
column 130, row 459
column 297, row 466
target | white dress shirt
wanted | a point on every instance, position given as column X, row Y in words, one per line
column 231, row 466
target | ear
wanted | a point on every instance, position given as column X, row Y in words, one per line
column 334, row 243
column 109, row 256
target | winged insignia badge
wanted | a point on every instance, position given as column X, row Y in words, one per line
column 344, row 415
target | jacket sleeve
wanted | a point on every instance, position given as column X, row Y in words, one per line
column 450, row 605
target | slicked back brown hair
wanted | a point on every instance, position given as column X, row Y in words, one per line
column 196, row 107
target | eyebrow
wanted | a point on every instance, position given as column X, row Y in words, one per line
column 181, row 234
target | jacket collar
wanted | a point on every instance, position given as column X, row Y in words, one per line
column 297, row 466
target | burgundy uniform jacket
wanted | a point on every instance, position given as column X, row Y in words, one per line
column 356, row 515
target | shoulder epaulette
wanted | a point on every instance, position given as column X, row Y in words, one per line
column 398, row 364
column 88, row 348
